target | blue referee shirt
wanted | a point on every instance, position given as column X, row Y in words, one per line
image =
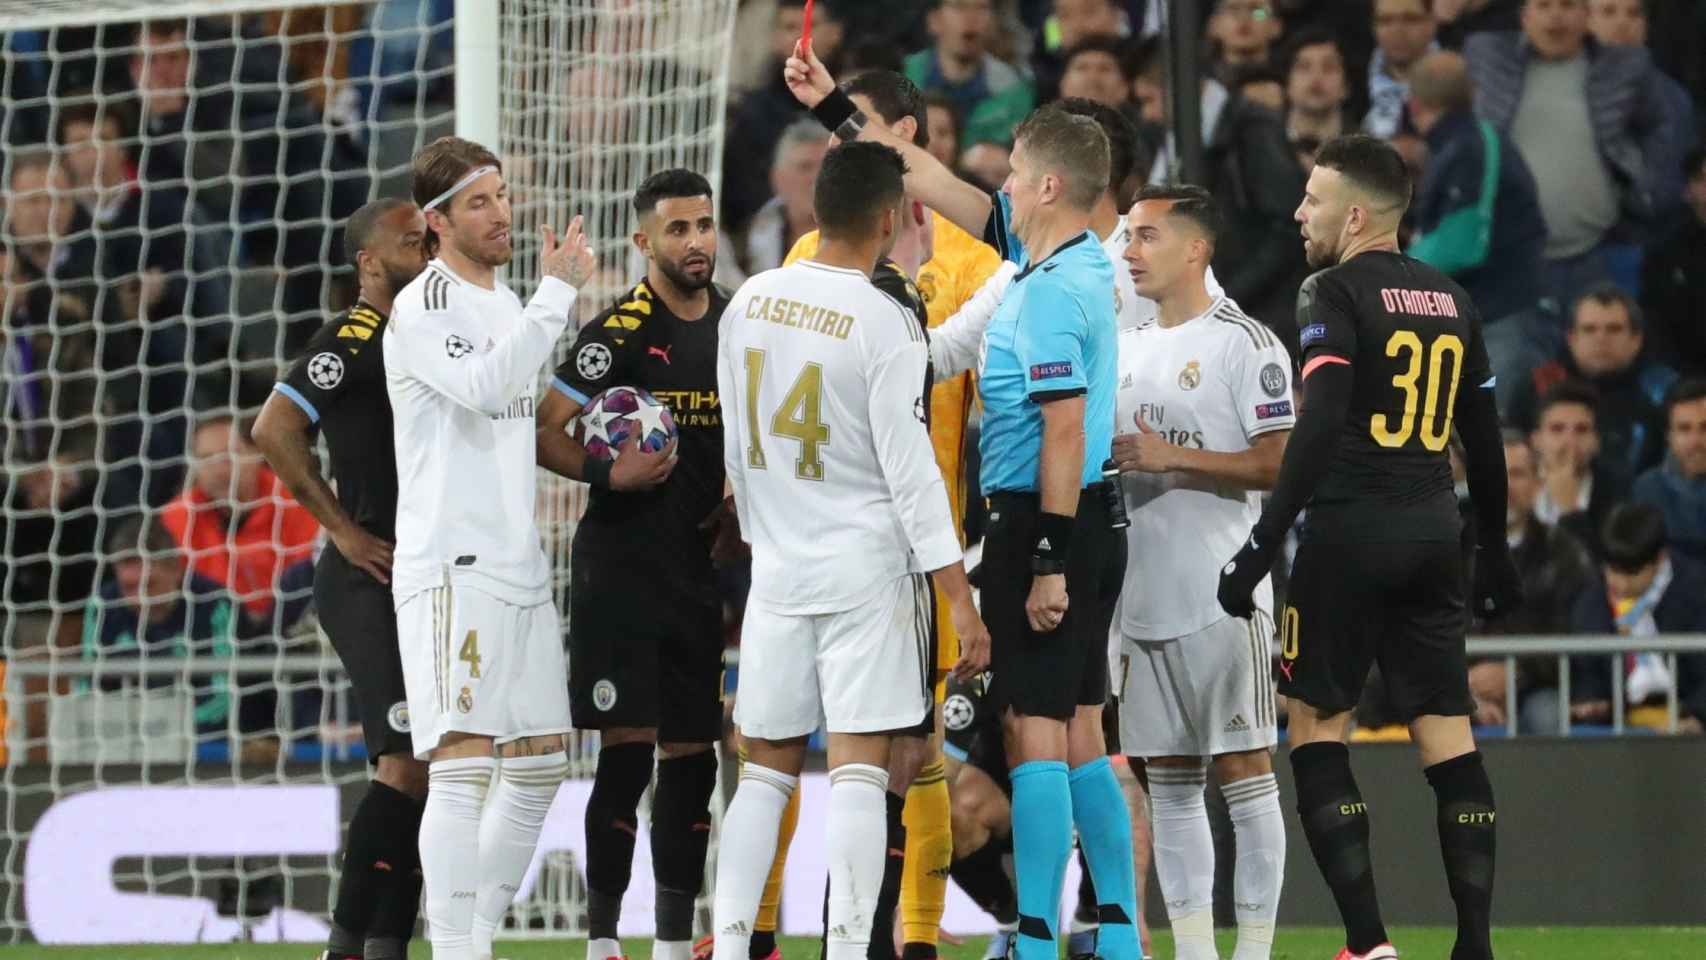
column 1054, row 336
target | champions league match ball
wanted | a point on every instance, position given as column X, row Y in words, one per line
column 613, row 415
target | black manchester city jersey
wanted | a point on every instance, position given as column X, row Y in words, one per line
column 889, row 278
column 339, row 381
column 638, row 342
column 1413, row 340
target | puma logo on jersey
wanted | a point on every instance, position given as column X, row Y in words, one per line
column 660, row 352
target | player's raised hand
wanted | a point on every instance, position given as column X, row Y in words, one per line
column 807, row 78
column 1144, row 451
column 974, row 639
column 637, row 469
column 1046, row 607
column 365, row 552
column 572, row 261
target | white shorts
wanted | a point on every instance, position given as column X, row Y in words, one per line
column 475, row 664
column 1201, row 695
column 864, row 670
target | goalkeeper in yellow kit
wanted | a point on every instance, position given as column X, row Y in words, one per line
column 955, row 266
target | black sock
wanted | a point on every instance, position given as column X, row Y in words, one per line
column 1335, row 819
column 762, row 946
column 382, row 852
column 341, row 944
column 1466, row 841
column 681, row 830
column 882, row 946
column 981, row 875
column 612, row 823
column 1087, row 910
column 918, row 951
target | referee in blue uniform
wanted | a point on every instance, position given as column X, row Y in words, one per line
column 1053, row 561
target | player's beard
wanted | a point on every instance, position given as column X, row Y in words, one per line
column 683, row 280
column 398, row 277
column 1320, row 253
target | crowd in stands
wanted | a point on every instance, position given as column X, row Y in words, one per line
column 1560, row 178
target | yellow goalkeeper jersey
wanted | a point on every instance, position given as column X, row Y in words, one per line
column 958, row 266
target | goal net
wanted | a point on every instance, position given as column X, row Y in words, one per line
column 180, row 747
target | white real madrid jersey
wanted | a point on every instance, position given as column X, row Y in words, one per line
column 1215, row 382
column 822, row 379
column 461, row 367
column 1134, row 310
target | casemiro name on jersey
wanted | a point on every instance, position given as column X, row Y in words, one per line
column 792, row 313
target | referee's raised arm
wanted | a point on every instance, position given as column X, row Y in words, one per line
column 927, row 180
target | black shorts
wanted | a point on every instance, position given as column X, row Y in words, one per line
column 634, row 663
column 1397, row 604
column 358, row 617
column 972, row 731
column 1050, row 674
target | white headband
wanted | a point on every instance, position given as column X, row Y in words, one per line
column 456, row 187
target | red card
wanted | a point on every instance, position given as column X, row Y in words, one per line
column 806, row 32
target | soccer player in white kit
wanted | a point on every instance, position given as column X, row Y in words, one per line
column 1204, row 408
column 824, row 381
column 483, row 661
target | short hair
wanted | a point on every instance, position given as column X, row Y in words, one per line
column 1072, row 146
column 1306, row 38
column 1369, row 162
column 92, row 113
column 857, row 183
column 139, row 533
column 1632, row 537
column 670, row 184
column 1190, row 202
column 1686, row 390
column 1102, row 43
column 1578, row 392
column 1145, row 60
column 893, row 96
column 1441, row 80
column 443, row 162
column 941, row 101
column 1120, row 131
column 27, row 158
column 1611, row 295
column 364, row 224
column 799, row 133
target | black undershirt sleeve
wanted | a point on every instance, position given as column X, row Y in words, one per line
column 1309, row 451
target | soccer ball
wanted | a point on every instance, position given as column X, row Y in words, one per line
column 609, row 418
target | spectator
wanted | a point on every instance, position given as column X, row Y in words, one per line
column 760, row 116
column 1647, row 590
column 1677, row 487
column 1261, row 86
column 1593, row 124
column 788, row 215
column 943, row 122
column 1673, row 284
column 1490, row 242
column 1096, row 70
column 1460, row 18
column 1072, row 21
column 50, row 528
column 1242, row 33
column 1555, row 568
column 1147, row 67
column 1316, row 93
column 1404, row 32
column 991, row 95
column 1623, row 23
column 1604, row 349
column 1576, row 491
column 151, row 606
column 241, row 528
column 988, row 164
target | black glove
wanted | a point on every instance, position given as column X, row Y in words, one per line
column 1239, row 577
column 1498, row 586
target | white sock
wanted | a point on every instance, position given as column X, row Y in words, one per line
column 603, row 949
column 1184, row 857
column 509, row 833
column 750, row 828
column 672, row 950
column 450, row 852
column 1259, row 828
column 858, row 824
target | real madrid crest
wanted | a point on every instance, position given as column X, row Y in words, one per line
column 465, row 700
column 1191, row 376
column 926, row 286
column 1119, row 301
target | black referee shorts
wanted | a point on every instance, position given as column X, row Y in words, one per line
column 1050, row 674
column 357, row 615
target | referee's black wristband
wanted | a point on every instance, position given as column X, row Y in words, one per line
column 1054, row 542
column 596, row 473
column 835, row 110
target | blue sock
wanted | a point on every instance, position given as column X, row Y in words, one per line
column 1042, row 844
column 1104, row 834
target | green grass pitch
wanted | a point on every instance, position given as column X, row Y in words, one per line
column 1292, row 943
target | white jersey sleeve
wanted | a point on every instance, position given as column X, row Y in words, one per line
column 957, row 342
column 1259, row 378
column 729, row 388
column 897, row 403
column 443, row 345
